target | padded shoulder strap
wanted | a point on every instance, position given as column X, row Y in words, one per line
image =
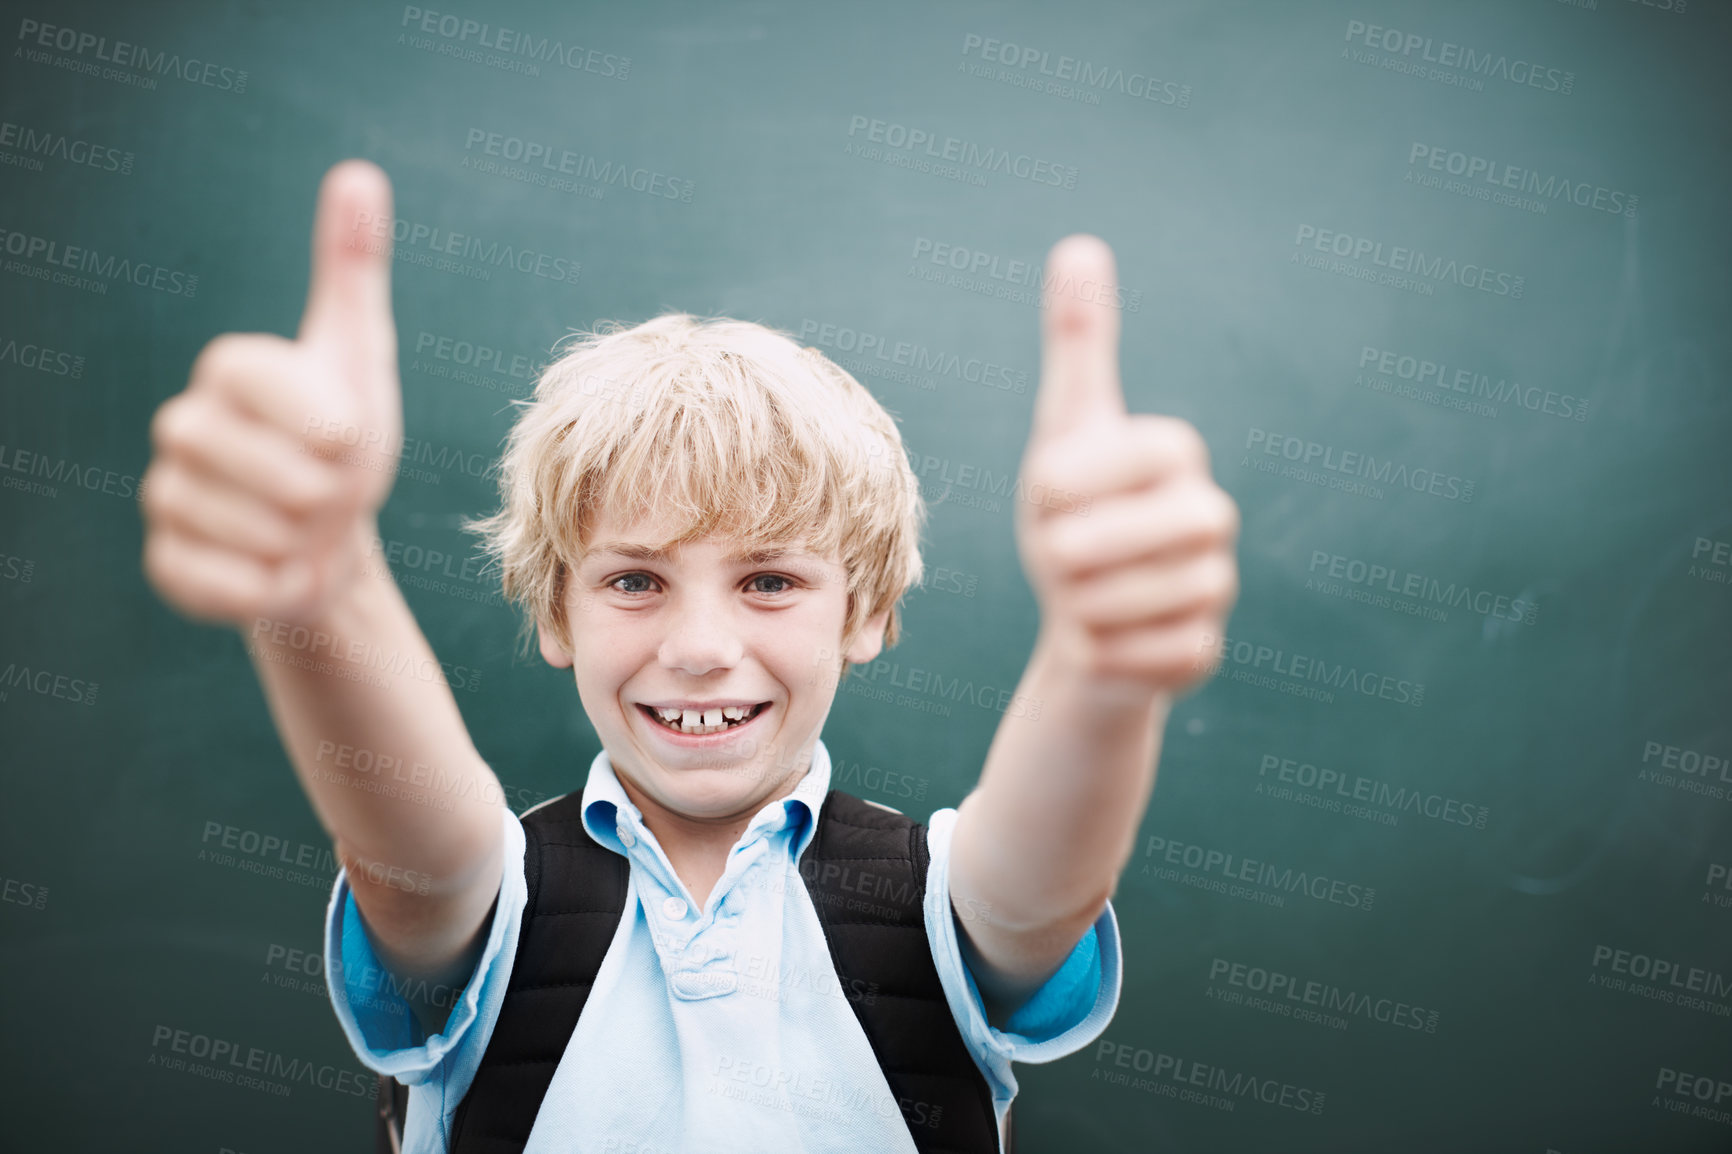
column 577, row 892
column 866, row 871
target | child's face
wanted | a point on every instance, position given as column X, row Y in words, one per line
column 695, row 628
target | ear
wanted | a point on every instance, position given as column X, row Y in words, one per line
column 551, row 651
column 869, row 642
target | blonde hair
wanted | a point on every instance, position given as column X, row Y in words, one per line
column 731, row 427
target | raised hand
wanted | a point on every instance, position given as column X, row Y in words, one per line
column 268, row 470
column 1124, row 535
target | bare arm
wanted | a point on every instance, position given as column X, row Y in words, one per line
column 1129, row 545
column 261, row 506
column 1041, row 840
column 419, row 830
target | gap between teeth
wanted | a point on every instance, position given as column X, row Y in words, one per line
column 709, row 720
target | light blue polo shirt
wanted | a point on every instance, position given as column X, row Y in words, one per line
column 722, row 1030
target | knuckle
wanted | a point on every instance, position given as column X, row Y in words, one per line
column 1222, row 512
column 316, row 489
column 1232, row 516
column 164, row 569
column 1050, row 466
column 237, row 358
column 1188, row 444
column 1196, row 449
column 218, row 357
column 171, row 427
column 1063, row 551
column 163, row 490
column 1221, row 579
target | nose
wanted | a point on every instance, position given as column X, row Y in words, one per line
column 701, row 636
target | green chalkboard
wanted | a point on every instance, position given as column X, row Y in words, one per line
column 1443, row 286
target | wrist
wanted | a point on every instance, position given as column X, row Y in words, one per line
column 1063, row 660
column 361, row 584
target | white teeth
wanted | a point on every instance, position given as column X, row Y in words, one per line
column 703, row 721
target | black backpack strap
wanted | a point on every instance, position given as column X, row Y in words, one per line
column 577, row 894
column 865, row 869
column 390, row 1107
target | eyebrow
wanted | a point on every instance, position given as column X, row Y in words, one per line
column 750, row 557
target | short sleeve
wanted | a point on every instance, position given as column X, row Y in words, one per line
column 1071, row 1010
column 376, row 1017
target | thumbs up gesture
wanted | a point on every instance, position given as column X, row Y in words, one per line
column 1123, row 533
column 267, row 471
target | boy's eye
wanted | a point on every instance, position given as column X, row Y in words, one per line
column 785, row 582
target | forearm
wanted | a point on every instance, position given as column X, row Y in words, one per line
column 376, row 739
column 1054, row 818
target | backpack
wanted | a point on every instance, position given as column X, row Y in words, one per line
column 577, row 894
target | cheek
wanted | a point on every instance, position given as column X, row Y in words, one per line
column 807, row 669
column 601, row 668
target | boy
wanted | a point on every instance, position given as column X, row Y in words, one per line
column 710, row 525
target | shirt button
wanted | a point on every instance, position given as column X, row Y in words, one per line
column 674, row 909
column 626, row 837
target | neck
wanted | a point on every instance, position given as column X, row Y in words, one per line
column 697, row 846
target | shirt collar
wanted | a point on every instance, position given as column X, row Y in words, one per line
column 604, row 798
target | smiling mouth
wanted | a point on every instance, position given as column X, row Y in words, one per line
column 694, row 723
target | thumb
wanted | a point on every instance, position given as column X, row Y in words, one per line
column 348, row 313
column 1079, row 364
